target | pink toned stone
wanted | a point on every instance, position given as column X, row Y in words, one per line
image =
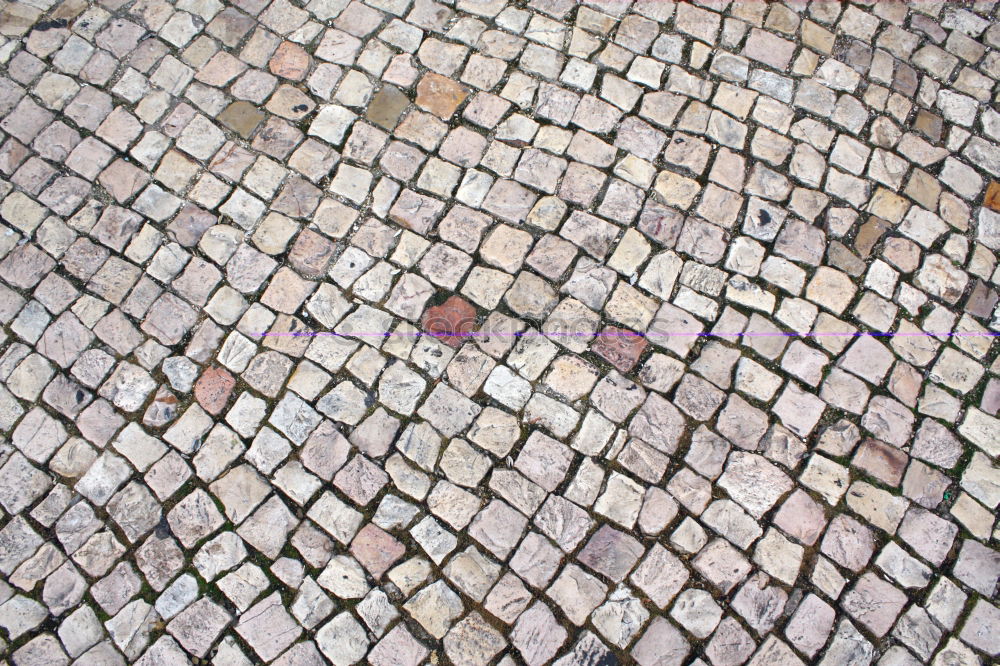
column 619, row 348
column 213, row 389
column 376, row 549
column 290, row 61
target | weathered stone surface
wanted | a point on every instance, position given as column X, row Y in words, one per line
column 620, row 347
column 241, row 117
column 440, row 95
column 466, row 325
column 451, row 322
column 213, row 389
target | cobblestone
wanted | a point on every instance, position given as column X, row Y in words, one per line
column 499, row 333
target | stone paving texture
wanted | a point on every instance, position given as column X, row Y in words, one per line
column 513, row 191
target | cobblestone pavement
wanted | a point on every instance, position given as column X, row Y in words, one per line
column 591, row 230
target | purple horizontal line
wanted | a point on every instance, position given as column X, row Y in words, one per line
column 626, row 334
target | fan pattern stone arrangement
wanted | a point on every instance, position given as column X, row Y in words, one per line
column 407, row 332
